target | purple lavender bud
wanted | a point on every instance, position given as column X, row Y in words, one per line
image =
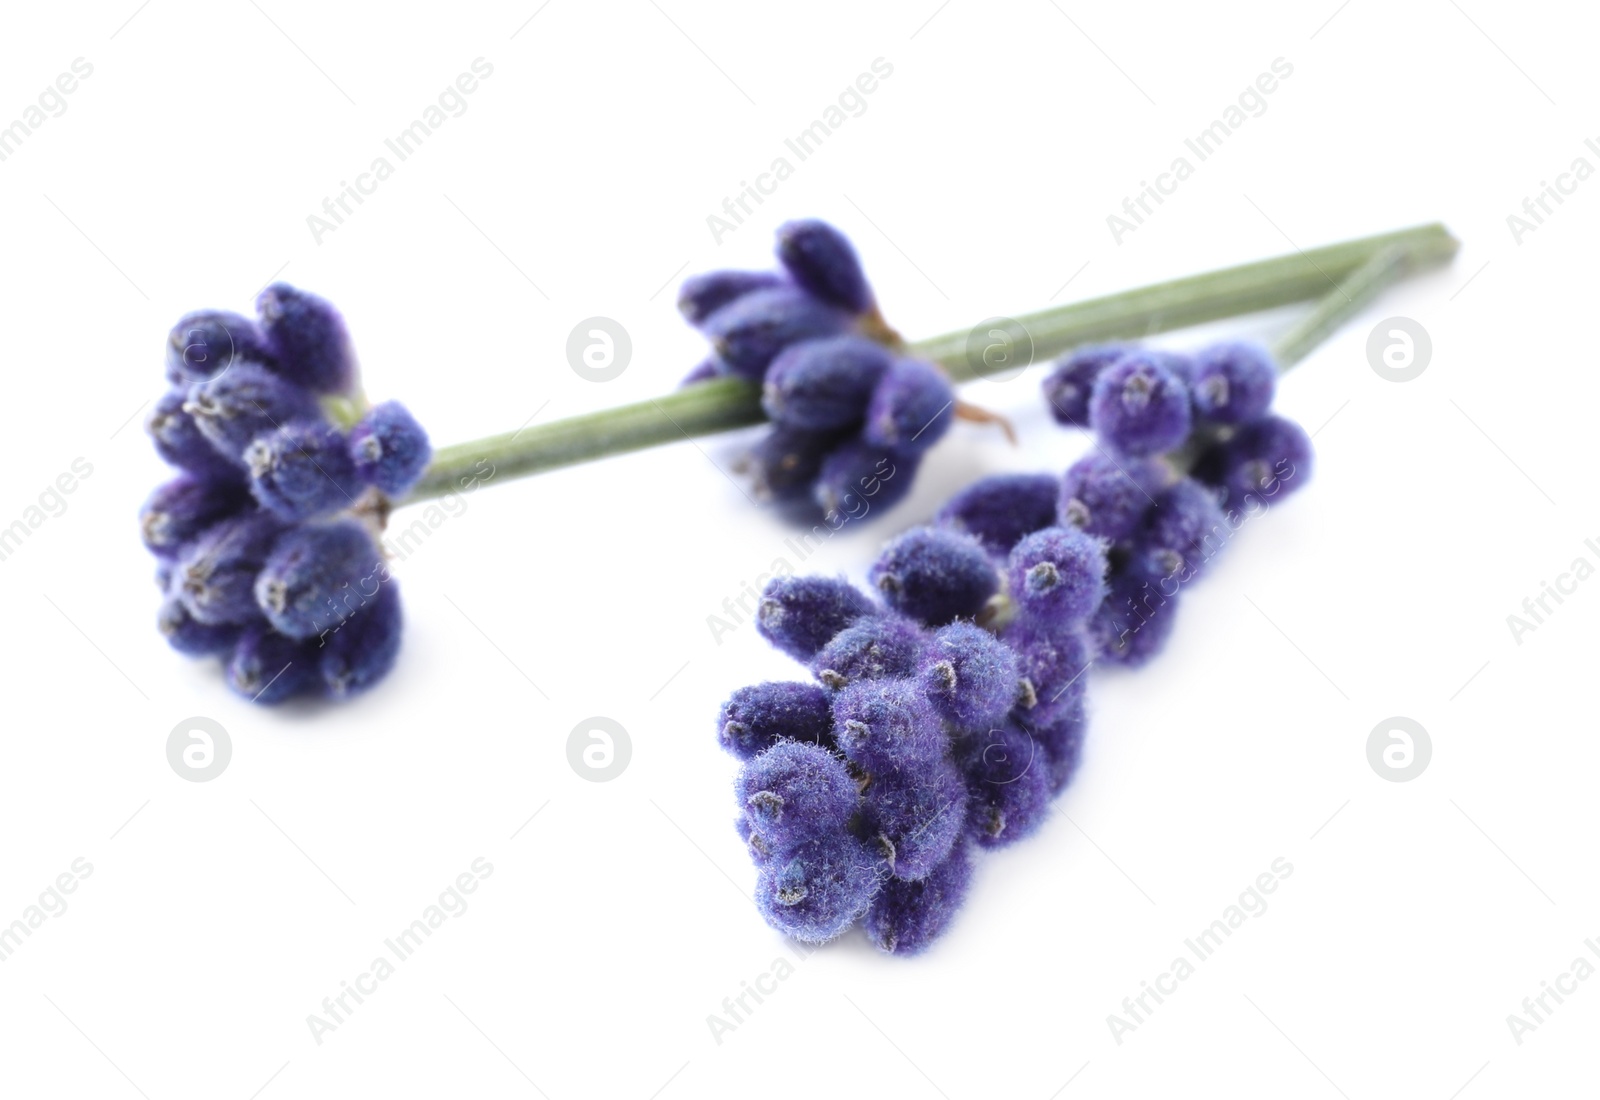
column 794, row 792
column 1058, row 573
column 784, row 463
column 906, row 917
column 858, row 478
column 1062, row 742
column 757, row 717
column 969, row 675
column 913, row 818
column 207, row 342
column 1232, row 383
column 935, row 575
column 268, row 668
column 822, row 259
column 302, row 469
column 911, row 408
column 705, row 372
column 215, row 577
column 1008, row 783
column 178, row 512
column 318, row 576
column 800, row 614
column 819, row 890
column 242, row 403
column 1265, row 460
column 363, row 649
column 824, row 383
column 875, row 647
column 1140, row 405
column 887, row 726
column 702, row 295
column 179, row 441
column 1071, row 381
column 1137, row 617
column 1183, row 532
column 999, row 510
column 1052, row 660
column 189, row 636
column 749, row 332
column 1108, row 497
column 755, row 843
column 307, row 339
column 389, row 448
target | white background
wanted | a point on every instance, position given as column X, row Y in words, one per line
column 219, row 915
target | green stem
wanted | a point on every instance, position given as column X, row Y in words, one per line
column 726, row 403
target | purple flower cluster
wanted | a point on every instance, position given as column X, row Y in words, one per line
column 1156, row 414
column 265, row 537
column 943, row 717
column 852, row 416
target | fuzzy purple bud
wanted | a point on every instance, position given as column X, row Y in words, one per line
column 302, row 470
column 1071, row 381
column 268, row 668
column 999, row 510
column 702, row 295
column 180, row 442
column 389, row 448
column 906, row 917
column 913, row 818
column 911, row 408
column 875, row 647
column 794, row 792
column 1136, row 619
column 817, row 891
column 1183, row 531
column 243, row 402
column 822, row 259
column 181, row 510
column 1052, row 660
column 215, row 577
column 935, row 575
column 207, row 342
column 1058, row 573
column 1232, row 383
column 784, row 463
column 969, row 675
column 887, row 726
column 1264, row 461
column 1140, row 405
column 189, row 636
column 748, row 333
column 1008, row 783
column 1108, row 497
column 363, row 648
column 307, row 339
column 857, row 478
column 318, row 576
column 825, row 383
column 757, row 717
column 800, row 614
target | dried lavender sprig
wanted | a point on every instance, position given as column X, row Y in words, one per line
column 727, row 403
